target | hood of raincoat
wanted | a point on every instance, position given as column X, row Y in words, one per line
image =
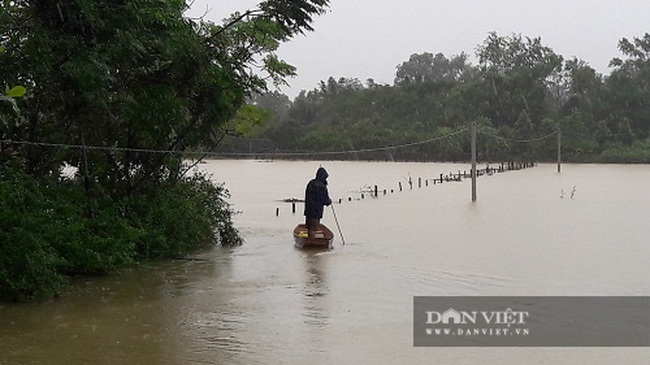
column 321, row 175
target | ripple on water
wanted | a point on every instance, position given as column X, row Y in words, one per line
column 219, row 330
column 430, row 281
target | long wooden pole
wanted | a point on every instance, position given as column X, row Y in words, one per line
column 337, row 223
column 473, row 161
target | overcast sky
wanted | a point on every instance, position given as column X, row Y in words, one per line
column 368, row 38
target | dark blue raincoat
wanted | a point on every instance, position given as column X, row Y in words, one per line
column 316, row 195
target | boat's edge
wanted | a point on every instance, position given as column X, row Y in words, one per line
column 304, row 243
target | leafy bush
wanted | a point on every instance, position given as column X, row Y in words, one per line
column 28, row 263
column 182, row 216
column 48, row 230
column 638, row 152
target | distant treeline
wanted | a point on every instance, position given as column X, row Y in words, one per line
column 520, row 92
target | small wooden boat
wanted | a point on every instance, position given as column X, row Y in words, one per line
column 322, row 237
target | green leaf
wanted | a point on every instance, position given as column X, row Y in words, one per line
column 248, row 117
column 17, row 91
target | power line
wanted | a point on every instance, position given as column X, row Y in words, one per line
column 385, row 148
column 251, row 154
column 87, row 147
column 226, row 154
column 519, row 140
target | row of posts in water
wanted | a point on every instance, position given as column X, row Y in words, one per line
column 458, row 176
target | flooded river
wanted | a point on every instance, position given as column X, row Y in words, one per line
column 532, row 232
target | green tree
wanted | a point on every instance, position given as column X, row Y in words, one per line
column 628, row 89
column 581, row 108
column 114, row 81
column 11, row 94
column 521, row 90
column 516, row 72
column 426, row 67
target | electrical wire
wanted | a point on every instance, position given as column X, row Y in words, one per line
column 519, row 140
column 226, row 154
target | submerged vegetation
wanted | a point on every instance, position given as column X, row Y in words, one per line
column 48, row 232
column 118, row 92
column 521, row 94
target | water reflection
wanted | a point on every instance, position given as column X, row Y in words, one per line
column 315, row 291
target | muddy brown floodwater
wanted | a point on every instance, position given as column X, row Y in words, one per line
column 269, row 303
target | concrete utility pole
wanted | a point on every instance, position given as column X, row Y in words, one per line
column 559, row 150
column 473, row 161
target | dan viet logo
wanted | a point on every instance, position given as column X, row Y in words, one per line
column 556, row 321
column 453, row 322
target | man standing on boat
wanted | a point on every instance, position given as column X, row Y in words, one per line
column 316, row 197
